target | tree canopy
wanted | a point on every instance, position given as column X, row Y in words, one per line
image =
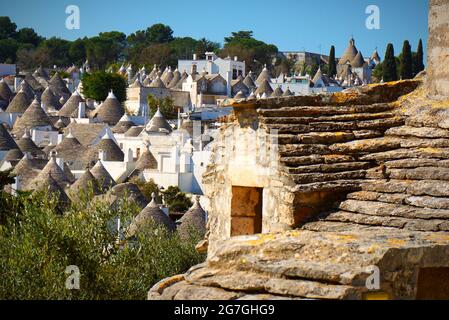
column 97, row 85
column 389, row 70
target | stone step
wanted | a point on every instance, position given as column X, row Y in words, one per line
column 337, row 118
column 396, row 198
column 322, row 177
column 376, row 208
column 419, row 132
column 421, row 173
column 324, row 110
column 329, row 168
column 392, row 222
column 416, row 163
column 296, row 150
column 416, row 188
column 315, row 159
column 367, row 145
column 334, row 186
column 421, row 153
column 402, row 199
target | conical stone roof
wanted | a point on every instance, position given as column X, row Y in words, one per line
column 107, row 145
column 288, row 93
column 146, row 161
column 19, row 103
column 70, row 108
column 129, row 191
column 6, row 141
column 358, row 61
column 193, row 222
column 86, row 182
column 104, row 179
column 263, row 76
column 111, row 110
column 158, row 123
column 70, row 149
column 150, row 217
column 33, row 117
column 41, row 73
column 26, row 144
column 13, row 154
column 5, row 92
column 49, row 100
column 157, row 83
column 123, row 125
column 50, row 185
column 277, row 92
column 174, row 81
column 58, row 86
column 53, row 169
column 249, row 82
column 264, row 87
column 24, row 85
column 349, row 54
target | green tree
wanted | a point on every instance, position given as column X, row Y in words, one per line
column 7, row 28
column 8, row 50
column 176, row 200
column 97, row 85
column 166, row 106
column 332, row 65
column 254, row 52
column 159, row 33
column 77, row 51
column 28, row 35
column 418, row 64
column 58, row 51
column 38, row 245
column 389, row 67
column 406, row 61
column 148, row 188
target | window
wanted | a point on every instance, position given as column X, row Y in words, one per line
column 234, row 74
column 137, row 153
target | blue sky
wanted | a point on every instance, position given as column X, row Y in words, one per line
column 289, row 24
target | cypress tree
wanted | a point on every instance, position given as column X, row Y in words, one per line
column 332, row 66
column 418, row 66
column 389, row 72
column 406, row 61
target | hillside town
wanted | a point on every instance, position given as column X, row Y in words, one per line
column 292, row 176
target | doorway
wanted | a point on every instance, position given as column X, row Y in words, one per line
column 246, row 211
column 433, row 284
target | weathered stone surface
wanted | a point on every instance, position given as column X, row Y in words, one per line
column 421, row 173
column 386, row 209
column 428, row 202
column 420, row 132
column 368, row 145
column 306, row 264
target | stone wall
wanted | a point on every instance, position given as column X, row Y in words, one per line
column 438, row 49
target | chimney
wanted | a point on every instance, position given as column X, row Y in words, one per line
column 60, row 163
column 102, row 155
column 129, row 156
column 438, row 49
column 16, row 84
column 236, row 58
column 195, row 57
column 16, row 185
column 81, row 110
column 229, row 83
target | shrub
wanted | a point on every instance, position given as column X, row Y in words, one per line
column 37, row 245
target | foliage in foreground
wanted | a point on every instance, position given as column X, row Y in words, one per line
column 37, row 245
